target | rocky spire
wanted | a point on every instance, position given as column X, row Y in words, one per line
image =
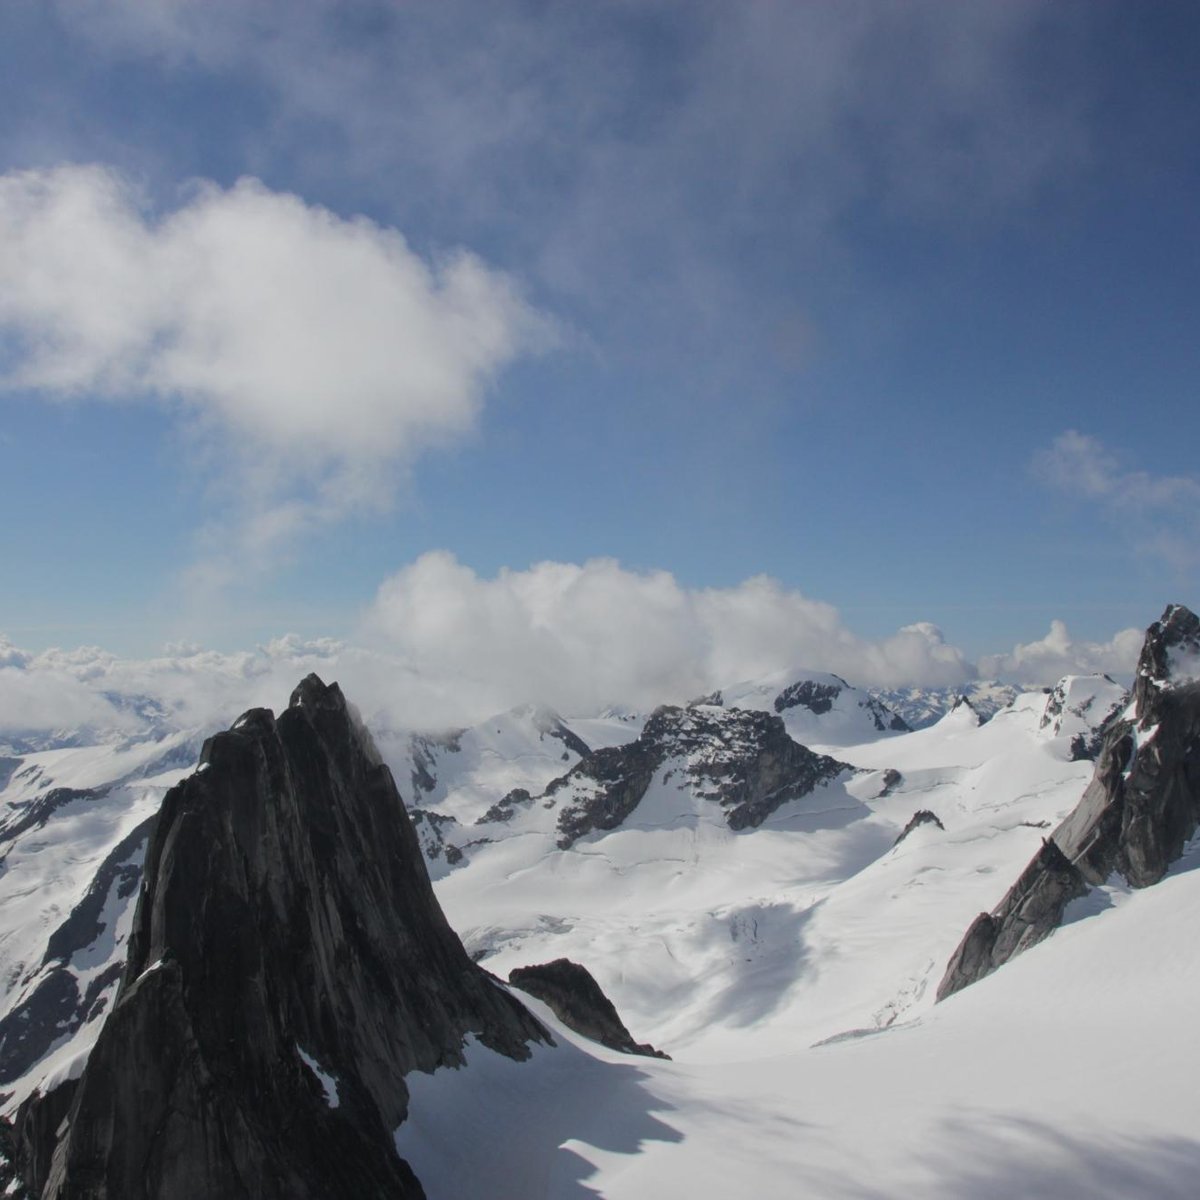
column 1135, row 818
column 289, row 964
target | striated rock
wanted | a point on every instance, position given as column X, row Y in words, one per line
column 742, row 759
column 288, row 965
column 1030, row 911
column 1135, row 818
column 577, row 1000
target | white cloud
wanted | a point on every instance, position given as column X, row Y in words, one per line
column 42, row 696
column 319, row 353
column 442, row 646
column 582, row 636
column 1044, row 662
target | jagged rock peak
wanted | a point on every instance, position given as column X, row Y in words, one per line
column 288, row 965
column 578, row 1001
column 1136, row 816
column 1171, row 652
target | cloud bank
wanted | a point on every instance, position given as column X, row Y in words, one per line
column 314, row 355
column 443, row 646
column 582, row 636
column 1040, row 663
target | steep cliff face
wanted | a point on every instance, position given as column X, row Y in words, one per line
column 288, row 965
column 1135, row 818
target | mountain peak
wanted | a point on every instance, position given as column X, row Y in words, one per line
column 1171, row 651
column 288, row 966
column 312, row 691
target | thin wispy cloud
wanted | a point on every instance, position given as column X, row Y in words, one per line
column 1161, row 513
column 612, row 146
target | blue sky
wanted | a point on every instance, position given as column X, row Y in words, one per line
column 893, row 303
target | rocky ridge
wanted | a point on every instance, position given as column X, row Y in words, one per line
column 741, row 759
column 288, row 966
column 1135, row 818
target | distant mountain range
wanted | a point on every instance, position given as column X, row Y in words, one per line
column 224, row 969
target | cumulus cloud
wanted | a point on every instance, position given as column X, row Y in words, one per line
column 1044, row 662
column 317, row 353
column 580, row 636
column 442, row 646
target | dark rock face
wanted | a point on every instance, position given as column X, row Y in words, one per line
column 288, row 965
column 1029, row 913
column 577, row 1000
column 891, row 780
column 816, row 697
column 36, row 1126
column 741, row 759
column 505, row 807
column 922, row 816
column 1135, row 818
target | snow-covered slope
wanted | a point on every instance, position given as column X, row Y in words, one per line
column 812, row 924
column 72, row 833
column 462, row 779
column 1069, row 1075
column 770, row 916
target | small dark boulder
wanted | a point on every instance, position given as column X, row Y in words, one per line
column 578, row 1001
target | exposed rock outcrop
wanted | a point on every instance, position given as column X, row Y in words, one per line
column 1135, row 818
column 742, row 759
column 577, row 1000
column 818, row 698
column 288, row 965
column 922, row 816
